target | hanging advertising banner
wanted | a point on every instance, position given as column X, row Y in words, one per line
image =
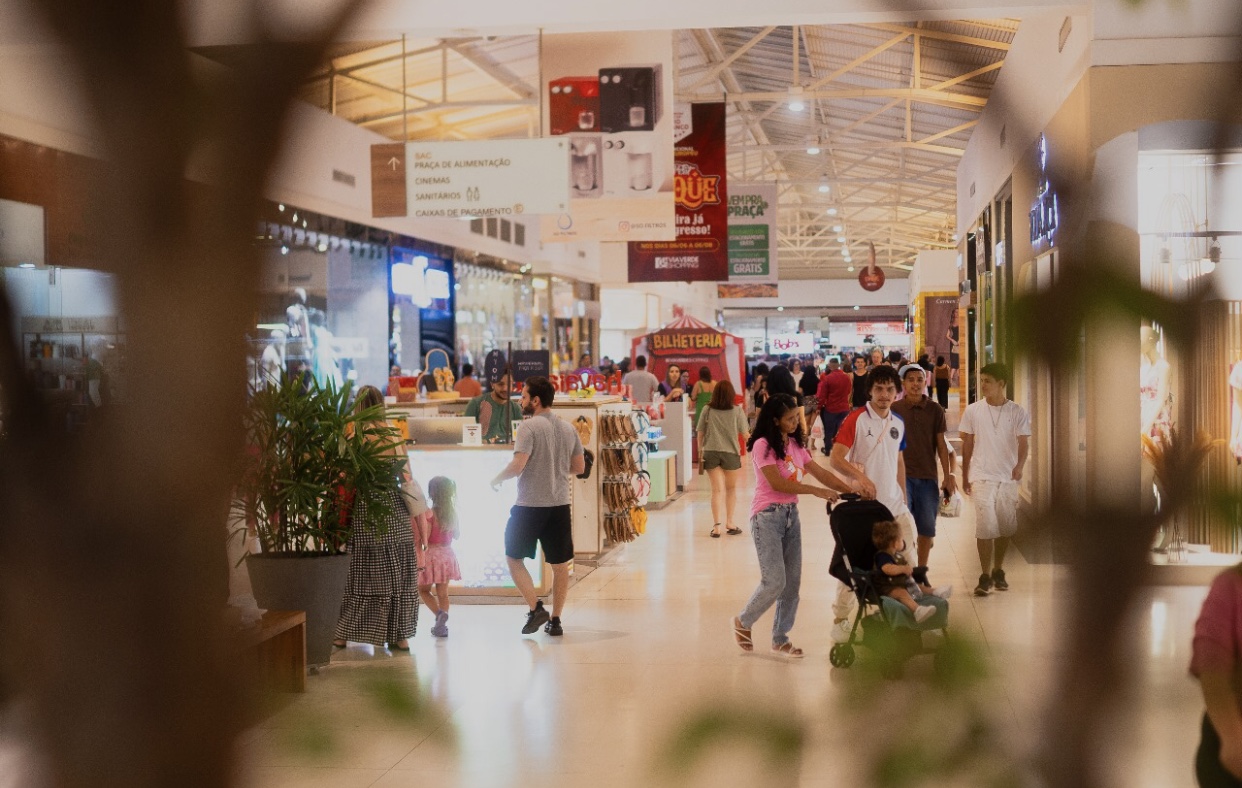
column 609, row 98
column 700, row 253
column 940, row 328
column 454, row 180
column 762, row 290
column 752, row 233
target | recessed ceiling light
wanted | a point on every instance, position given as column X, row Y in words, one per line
column 855, row 307
column 780, row 309
column 832, row 211
column 836, row 228
column 851, row 270
column 813, row 151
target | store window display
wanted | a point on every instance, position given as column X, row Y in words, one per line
column 1235, row 412
column 495, row 308
column 1155, row 388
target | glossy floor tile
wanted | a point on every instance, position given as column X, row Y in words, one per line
column 648, row 645
column 648, row 648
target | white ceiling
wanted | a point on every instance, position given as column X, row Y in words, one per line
column 890, row 106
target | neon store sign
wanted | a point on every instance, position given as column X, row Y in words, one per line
column 1044, row 214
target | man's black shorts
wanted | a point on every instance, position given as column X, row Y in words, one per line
column 550, row 526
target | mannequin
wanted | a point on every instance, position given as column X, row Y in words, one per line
column 1235, row 421
column 1154, row 386
column 1156, row 409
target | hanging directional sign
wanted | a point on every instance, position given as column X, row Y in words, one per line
column 481, row 179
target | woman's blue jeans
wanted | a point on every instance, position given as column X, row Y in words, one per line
column 777, row 532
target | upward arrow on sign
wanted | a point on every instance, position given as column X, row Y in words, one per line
column 394, row 162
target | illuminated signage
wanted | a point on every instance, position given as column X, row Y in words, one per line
column 792, row 343
column 1044, row 213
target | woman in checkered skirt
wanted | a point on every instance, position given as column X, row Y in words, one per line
column 381, row 599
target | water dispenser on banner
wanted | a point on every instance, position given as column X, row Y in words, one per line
column 630, row 165
column 630, row 98
column 586, row 166
column 573, row 105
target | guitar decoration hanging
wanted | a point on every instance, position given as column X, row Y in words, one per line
column 872, row 276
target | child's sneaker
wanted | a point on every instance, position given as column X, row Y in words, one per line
column 923, row 612
column 944, row 592
column 440, row 628
column 841, row 631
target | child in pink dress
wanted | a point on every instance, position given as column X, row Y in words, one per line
column 441, row 562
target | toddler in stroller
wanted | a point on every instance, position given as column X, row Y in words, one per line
column 888, row 625
column 894, row 577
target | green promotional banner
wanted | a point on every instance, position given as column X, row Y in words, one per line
column 752, row 233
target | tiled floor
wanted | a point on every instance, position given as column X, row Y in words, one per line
column 647, row 644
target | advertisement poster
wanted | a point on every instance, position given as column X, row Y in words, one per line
column 940, row 328
column 700, row 253
column 609, row 98
column 764, row 290
column 752, row 233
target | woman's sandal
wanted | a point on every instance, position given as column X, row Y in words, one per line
column 714, row 533
column 787, row 650
column 742, row 635
column 733, row 530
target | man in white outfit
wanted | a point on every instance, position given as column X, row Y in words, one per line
column 996, row 436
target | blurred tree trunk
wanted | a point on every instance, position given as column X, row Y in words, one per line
column 112, row 571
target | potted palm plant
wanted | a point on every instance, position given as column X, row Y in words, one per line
column 309, row 458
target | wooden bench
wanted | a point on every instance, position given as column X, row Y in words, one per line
column 275, row 650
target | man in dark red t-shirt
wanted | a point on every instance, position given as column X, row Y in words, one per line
column 835, row 388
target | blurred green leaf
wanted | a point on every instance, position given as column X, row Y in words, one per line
column 778, row 737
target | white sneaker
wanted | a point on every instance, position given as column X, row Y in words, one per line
column 923, row 612
column 944, row 592
column 841, row 631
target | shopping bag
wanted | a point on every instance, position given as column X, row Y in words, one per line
column 951, row 506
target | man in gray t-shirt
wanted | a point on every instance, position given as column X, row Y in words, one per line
column 641, row 382
column 545, row 454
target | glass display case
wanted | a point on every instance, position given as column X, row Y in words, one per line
column 482, row 512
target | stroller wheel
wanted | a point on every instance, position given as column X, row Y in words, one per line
column 841, row 655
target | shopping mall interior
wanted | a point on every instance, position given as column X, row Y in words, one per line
column 286, row 290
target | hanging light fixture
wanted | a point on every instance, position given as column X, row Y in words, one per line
column 795, row 99
column 823, row 185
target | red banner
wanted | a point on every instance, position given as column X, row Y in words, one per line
column 701, row 251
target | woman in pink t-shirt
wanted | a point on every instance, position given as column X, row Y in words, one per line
column 778, row 451
column 1216, row 663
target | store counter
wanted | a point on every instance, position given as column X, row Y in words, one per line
column 482, row 512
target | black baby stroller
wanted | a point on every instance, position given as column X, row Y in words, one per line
column 887, row 626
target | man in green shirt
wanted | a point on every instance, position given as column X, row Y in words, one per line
column 496, row 412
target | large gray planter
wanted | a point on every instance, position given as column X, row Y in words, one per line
column 315, row 584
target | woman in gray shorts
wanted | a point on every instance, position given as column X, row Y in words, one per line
column 722, row 432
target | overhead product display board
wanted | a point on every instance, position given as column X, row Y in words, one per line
column 752, row 233
column 700, row 252
column 609, row 98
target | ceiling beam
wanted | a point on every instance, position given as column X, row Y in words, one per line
column 717, row 68
column 487, row 65
column 938, row 35
column 920, row 95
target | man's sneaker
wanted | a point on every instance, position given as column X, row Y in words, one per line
column 944, row 592
column 841, row 631
column 535, row 619
column 923, row 612
column 553, row 627
column 985, row 585
column 998, row 580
